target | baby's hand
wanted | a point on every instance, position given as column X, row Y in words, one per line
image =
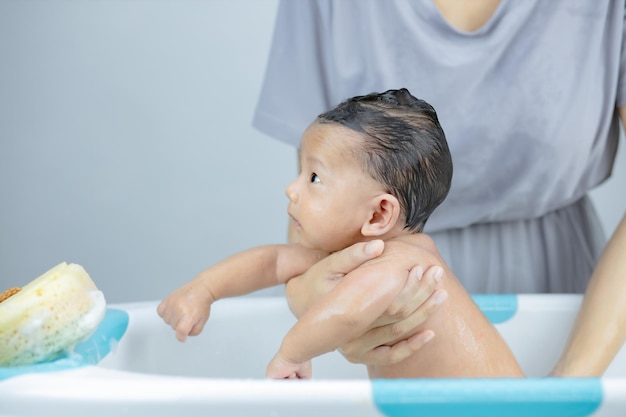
column 281, row 368
column 186, row 309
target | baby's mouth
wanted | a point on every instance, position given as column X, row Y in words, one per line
column 296, row 224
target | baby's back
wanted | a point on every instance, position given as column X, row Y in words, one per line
column 466, row 344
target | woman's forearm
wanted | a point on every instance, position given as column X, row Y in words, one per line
column 600, row 327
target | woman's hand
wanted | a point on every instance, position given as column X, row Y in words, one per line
column 391, row 338
column 303, row 291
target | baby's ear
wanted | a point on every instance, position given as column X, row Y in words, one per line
column 383, row 215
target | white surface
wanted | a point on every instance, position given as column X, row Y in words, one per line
column 243, row 334
column 221, row 372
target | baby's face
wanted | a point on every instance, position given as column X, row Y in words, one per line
column 328, row 201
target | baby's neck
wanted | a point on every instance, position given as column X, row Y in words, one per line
column 392, row 234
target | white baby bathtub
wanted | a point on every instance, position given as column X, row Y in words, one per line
column 221, row 372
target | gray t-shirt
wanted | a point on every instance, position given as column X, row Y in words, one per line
column 527, row 102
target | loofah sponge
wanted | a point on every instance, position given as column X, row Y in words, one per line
column 49, row 315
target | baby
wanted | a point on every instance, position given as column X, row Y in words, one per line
column 372, row 169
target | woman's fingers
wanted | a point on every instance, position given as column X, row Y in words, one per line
column 389, row 355
column 396, row 340
column 419, row 287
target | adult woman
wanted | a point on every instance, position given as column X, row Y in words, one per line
column 530, row 94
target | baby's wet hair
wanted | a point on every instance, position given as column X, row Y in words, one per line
column 404, row 148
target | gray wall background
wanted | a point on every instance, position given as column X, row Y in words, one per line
column 126, row 144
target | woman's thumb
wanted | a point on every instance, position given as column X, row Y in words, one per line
column 353, row 256
column 373, row 248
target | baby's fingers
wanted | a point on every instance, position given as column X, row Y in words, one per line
column 163, row 310
column 184, row 329
column 192, row 321
column 197, row 328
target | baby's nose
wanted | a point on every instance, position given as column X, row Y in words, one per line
column 291, row 192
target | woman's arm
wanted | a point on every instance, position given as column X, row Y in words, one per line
column 600, row 327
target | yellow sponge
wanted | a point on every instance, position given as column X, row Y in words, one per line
column 49, row 315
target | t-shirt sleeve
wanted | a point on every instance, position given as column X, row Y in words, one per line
column 294, row 90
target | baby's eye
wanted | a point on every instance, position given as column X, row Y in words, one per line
column 314, row 178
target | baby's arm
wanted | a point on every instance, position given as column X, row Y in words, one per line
column 341, row 315
column 187, row 309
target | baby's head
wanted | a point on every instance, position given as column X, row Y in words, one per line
column 403, row 147
column 388, row 148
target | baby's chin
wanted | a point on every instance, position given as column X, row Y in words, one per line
column 49, row 316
